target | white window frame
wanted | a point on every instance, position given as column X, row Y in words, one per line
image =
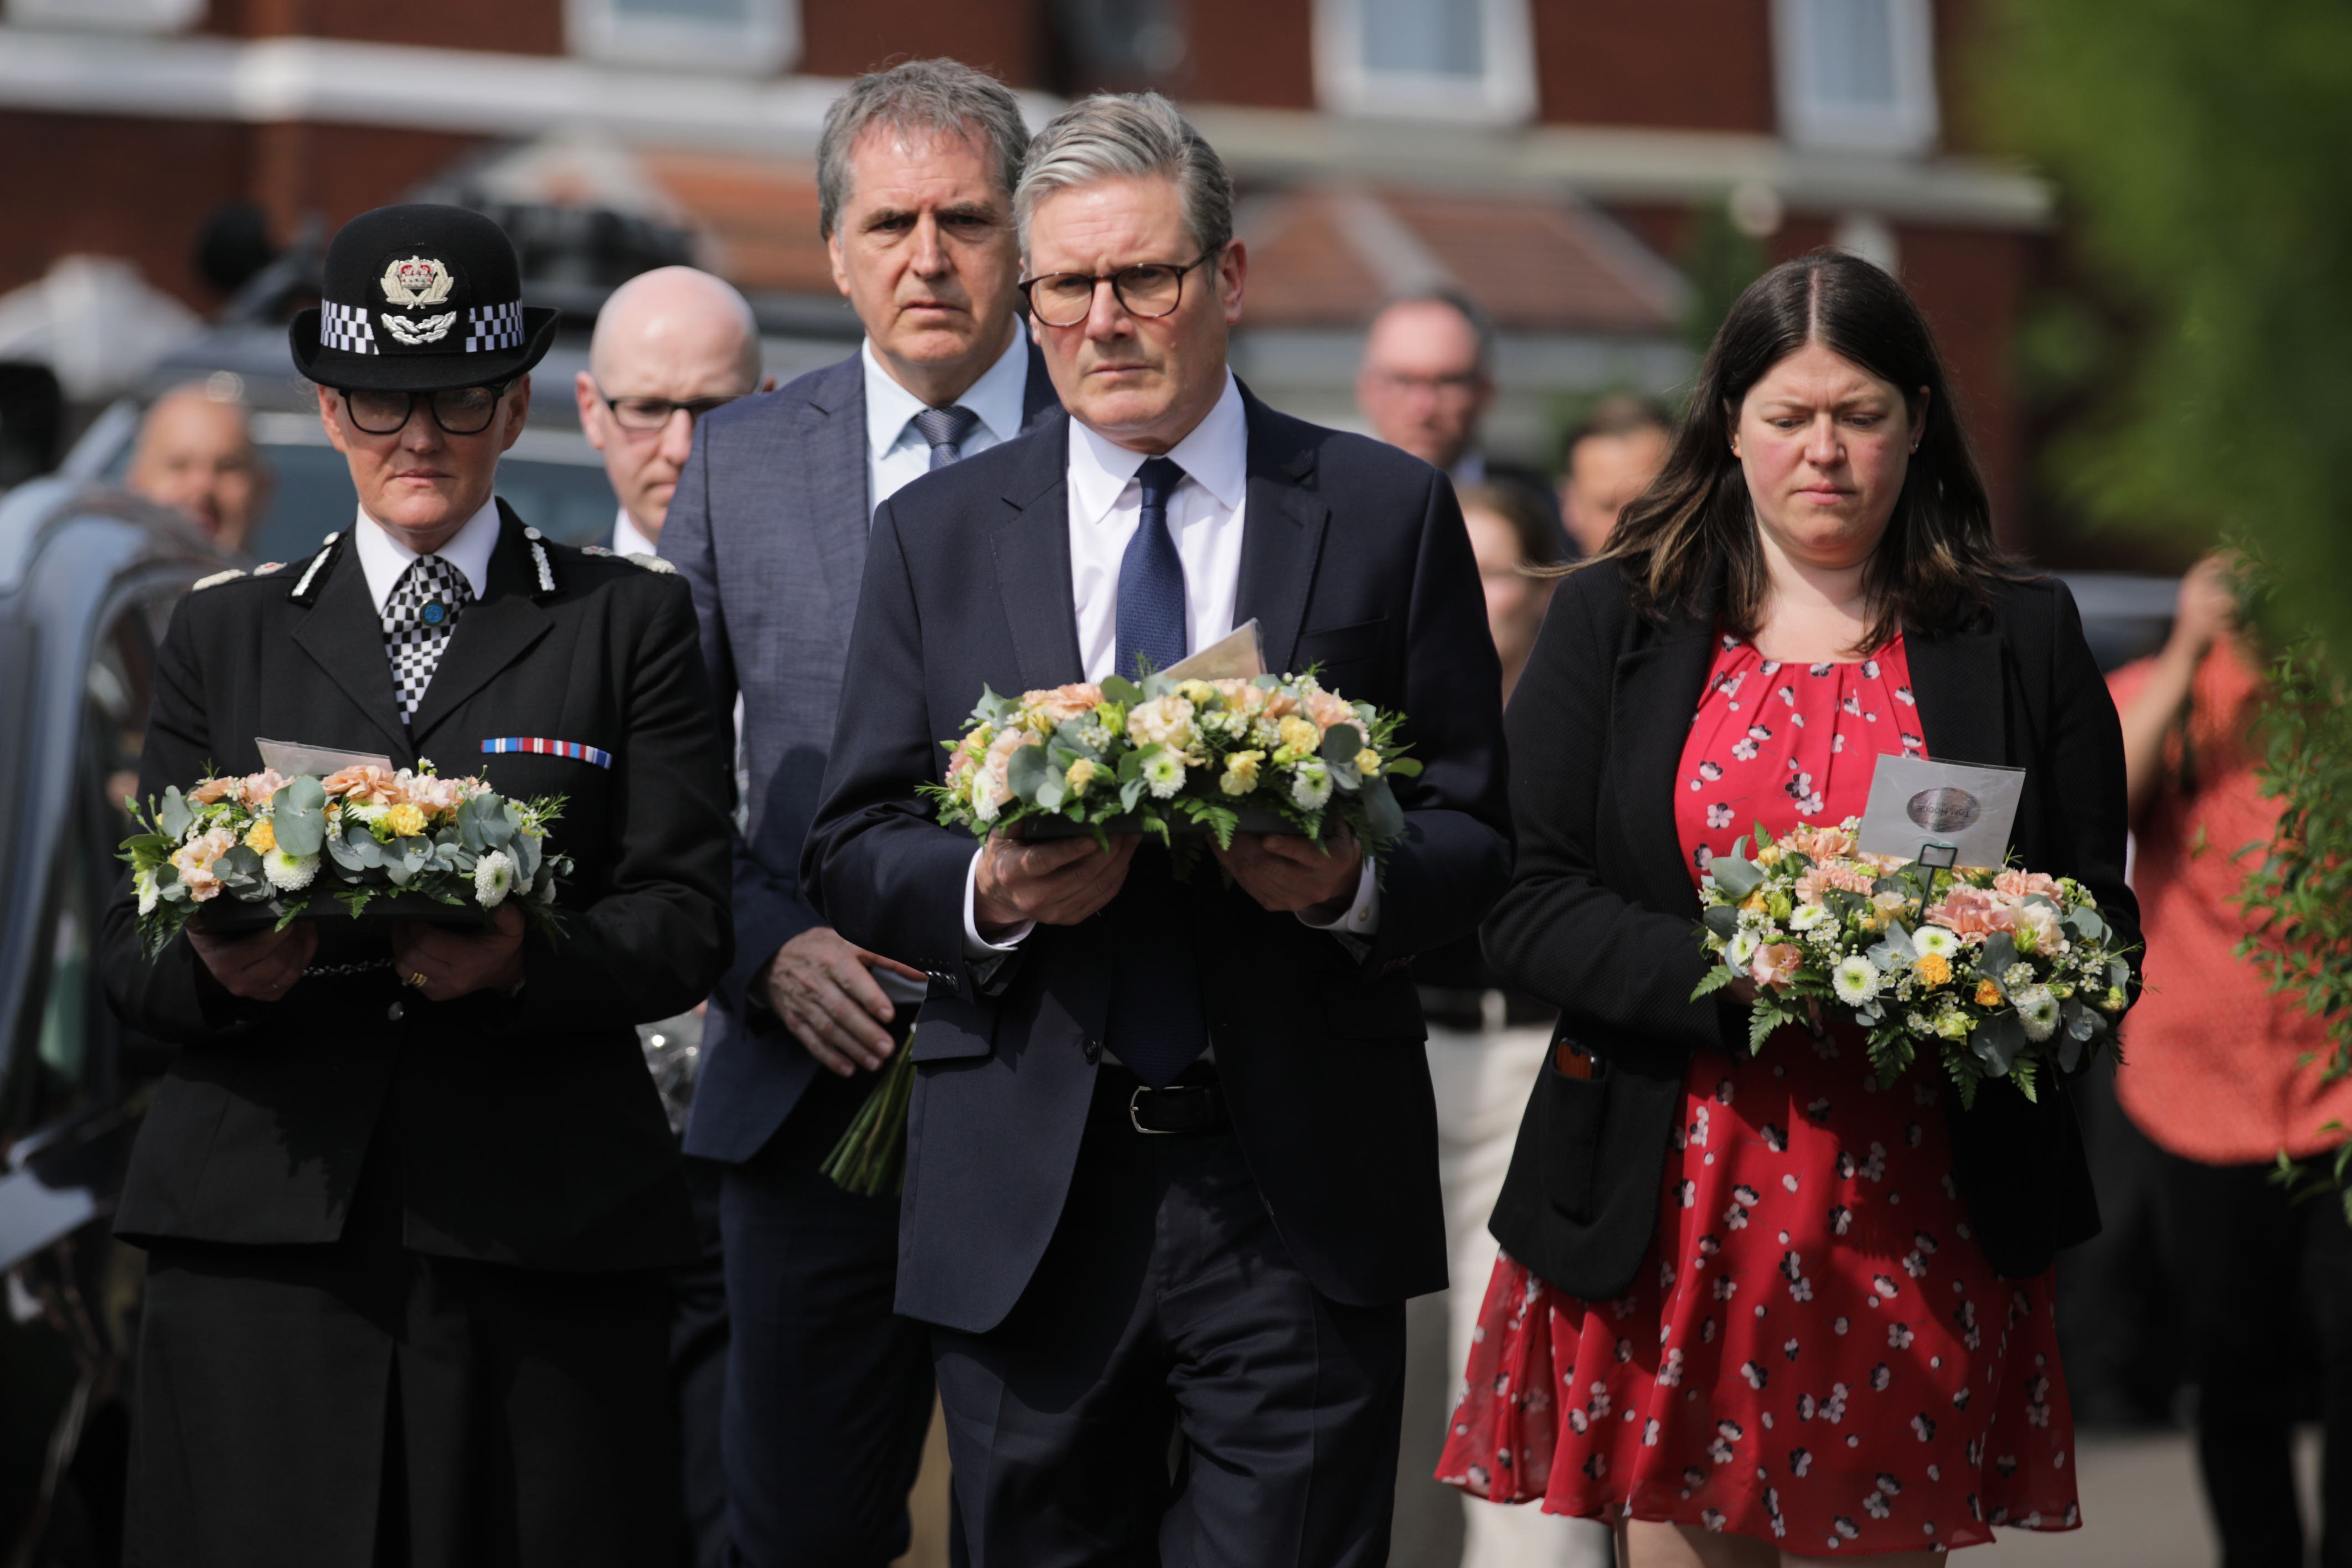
column 1504, row 95
column 109, row 16
column 1908, row 125
column 769, row 40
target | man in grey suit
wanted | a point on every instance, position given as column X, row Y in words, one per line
column 829, row 1393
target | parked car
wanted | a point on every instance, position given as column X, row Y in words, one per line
column 87, row 579
column 550, row 476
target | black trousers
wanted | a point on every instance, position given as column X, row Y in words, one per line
column 828, row 1392
column 2266, row 1298
column 698, row 1359
column 360, row 1405
column 1166, row 1306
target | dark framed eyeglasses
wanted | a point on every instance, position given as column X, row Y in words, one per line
column 1151, row 290
column 459, row 410
column 650, row 413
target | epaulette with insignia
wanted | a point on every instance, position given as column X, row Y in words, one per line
column 539, row 559
column 301, row 592
column 594, row 550
column 216, row 579
column 650, row 562
column 266, row 567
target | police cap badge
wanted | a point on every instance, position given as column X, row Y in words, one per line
column 420, row 297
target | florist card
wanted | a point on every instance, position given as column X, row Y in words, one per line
column 1917, row 802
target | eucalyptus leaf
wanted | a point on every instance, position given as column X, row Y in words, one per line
column 1383, row 818
column 173, row 816
column 526, row 850
column 1722, row 919
column 1735, row 876
column 2000, row 951
column 1340, row 744
column 1028, row 769
column 1121, row 690
column 1129, row 793
column 1997, row 1042
column 299, row 815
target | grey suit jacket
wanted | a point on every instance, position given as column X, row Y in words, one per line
column 768, row 526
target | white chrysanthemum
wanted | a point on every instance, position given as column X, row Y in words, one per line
column 289, row 873
column 1934, row 941
column 371, row 813
column 1856, row 980
column 2039, row 1011
column 1741, row 948
column 493, row 877
column 1163, row 774
column 1310, row 785
column 1805, row 917
column 149, row 892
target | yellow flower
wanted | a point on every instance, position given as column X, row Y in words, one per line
column 1368, row 762
column 407, row 820
column 261, row 838
column 1082, row 773
column 1241, row 773
column 1988, row 995
column 1769, row 855
column 1300, row 735
column 1933, row 970
column 1754, row 903
column 1198, row 693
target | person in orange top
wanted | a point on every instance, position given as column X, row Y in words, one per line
column 2218, row 1071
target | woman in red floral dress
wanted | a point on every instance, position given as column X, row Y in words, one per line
column 1762, row 1307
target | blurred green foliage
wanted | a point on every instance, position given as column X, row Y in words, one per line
column 2205, row 156
column 1720, row 262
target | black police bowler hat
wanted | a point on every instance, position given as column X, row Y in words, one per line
column 419, row 298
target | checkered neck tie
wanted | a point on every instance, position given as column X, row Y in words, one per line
column 417, row 620
column 947, row 429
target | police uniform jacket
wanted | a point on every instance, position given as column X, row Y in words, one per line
column 520, row 1130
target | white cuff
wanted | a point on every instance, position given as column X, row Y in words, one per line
column 1362, row 917
column 976, row 946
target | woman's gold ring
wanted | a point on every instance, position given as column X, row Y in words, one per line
column 415, row 979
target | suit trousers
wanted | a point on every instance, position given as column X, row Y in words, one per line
column 1167, row 1306
column 357, row 1404
column 2265, row 1288
column 828, row 1392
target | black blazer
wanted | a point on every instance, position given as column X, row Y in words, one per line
column 1354, row 556
column 525, row 1131
column 1599, row 918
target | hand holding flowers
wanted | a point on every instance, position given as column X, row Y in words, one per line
column 1999, row 974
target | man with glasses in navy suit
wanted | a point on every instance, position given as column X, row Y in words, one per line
column 1172, row 1156
column 829, row 1393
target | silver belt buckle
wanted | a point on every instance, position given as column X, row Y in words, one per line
column 1135, row 1100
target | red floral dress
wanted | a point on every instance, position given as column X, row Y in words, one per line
column 1818, row 1354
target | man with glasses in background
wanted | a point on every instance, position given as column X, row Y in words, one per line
column 409, row 1200
column 1171, row 1171
column 670, row 346
column 828, row 1392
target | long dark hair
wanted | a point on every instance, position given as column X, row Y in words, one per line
column 1937, row 566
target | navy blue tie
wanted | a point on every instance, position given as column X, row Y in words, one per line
column 945, row 430
column 1151, row 578
column 1156, row 1024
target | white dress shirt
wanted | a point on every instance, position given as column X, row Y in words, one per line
column 895, row 452
column 1205, row 517
column 628, row 539
column 384, row 555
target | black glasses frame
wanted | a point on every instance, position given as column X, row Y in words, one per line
column 695, row 407
column 496, row 389
column 1097, row 279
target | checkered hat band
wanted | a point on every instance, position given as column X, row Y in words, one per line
column 417, row 620
column 347, row 328
column 491, row 327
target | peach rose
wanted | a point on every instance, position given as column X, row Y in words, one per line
column 435, row 794
column 213, row 789
column 1818, row 878
column 1327, row 709
column 1279, row 704
column 1822, row 842
column 1243, row 696
column 1975, row 912
column 365, row 784
column 989, row 792
column 1064, row 703
column 258, row 787
column 1776, row 963
column 2025, row 884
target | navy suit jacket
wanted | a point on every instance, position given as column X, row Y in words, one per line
column 1354, row 557
column 767, row 527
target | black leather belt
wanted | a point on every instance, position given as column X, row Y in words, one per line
column 1193, row 1105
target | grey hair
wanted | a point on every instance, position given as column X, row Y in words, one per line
column 1129, row 135
column 944, row 97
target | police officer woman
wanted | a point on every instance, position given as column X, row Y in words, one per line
column 407, row 1192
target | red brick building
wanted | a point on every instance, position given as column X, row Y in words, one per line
column 1555, row 158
